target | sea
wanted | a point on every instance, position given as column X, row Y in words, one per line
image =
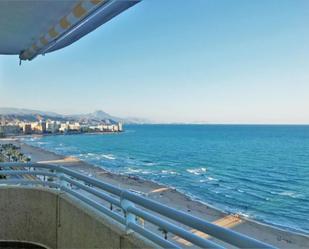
column 259, row 171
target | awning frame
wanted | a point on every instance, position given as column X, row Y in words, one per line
column 88, row 15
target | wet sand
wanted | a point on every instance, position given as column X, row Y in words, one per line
column 171, row 197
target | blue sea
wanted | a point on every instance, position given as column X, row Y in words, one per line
column 259, row 171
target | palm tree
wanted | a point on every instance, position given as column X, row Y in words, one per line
column 20, row 156
column 9, row 154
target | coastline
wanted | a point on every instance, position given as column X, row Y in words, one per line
column 169, row 196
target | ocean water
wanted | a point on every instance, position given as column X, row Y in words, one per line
column 258, row 171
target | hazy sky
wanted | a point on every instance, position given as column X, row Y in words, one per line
column 217, row 61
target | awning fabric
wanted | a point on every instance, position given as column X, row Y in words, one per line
column 32, row 27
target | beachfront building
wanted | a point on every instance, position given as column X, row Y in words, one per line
column 120, row 127
column 9, row 129
column 64, row 127
column 38, row 127
column 75, row 127
column 26, row 128
column 52, row 126
column 84, row 128
column 42, row 126
column 108, row 127
column 104, row 127
column 69, row 127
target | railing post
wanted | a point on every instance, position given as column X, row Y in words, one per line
column 60, row 180
column 130, row 218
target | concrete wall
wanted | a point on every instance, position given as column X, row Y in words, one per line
column 28, row 215
column 57, row 220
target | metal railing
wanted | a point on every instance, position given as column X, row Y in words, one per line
column 133, row 207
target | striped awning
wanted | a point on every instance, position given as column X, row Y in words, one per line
column 32, row 27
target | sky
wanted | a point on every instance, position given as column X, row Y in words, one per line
column 210, row 61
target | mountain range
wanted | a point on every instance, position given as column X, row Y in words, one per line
column 33, row 115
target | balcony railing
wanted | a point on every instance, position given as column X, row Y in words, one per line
column 133, row 208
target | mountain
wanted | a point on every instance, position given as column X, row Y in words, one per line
column 33, row 115
column 18, row 111
column 26, row 115
column 96, row 116
column 101, row 115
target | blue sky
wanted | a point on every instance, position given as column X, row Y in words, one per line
column 216, row 61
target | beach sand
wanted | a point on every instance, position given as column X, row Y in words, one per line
column 172, row 198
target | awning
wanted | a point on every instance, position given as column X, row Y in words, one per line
column 32, row 27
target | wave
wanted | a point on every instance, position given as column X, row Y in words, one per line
column 197, row 171
column 42, row 143
column 136, row 171
column 169, row 172
column 109, row 156
column 212, row 178
column 290, row 194
column 246, row 215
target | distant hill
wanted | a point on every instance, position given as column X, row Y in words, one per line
column 18, row 111
column 95, row 116
column 28, row 115
column 101, row 115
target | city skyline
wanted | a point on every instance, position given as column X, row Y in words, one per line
column 206, row 61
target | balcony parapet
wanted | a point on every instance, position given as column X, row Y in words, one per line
column 126, row 210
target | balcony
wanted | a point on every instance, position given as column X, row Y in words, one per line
column 55, row 207
column 53, row 219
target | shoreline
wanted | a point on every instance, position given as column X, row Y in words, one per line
column 269, row 233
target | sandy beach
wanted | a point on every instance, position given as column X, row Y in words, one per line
column 171, row 197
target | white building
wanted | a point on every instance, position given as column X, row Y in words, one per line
column 74, row 127
column 64, row 127
column 52, row 126
column 120, row 128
